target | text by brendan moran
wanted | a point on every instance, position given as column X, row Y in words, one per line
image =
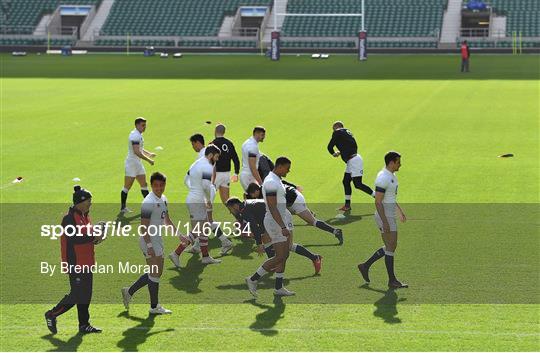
column 122, row 267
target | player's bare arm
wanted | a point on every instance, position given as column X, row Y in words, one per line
column 254, row 170
column 272, row 206
column 145, row 222
column 149, row 154
column 141, row 155
column 380, row 209
column 401, row 214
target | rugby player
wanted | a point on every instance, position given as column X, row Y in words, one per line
column 223, row 165
column 134, row 168
column 250, row 158
column 296, row 204
column 278, row 224
column 154, row 214
column 386, row 186
column 199, row 200
column 343, row 139
column 253, row 212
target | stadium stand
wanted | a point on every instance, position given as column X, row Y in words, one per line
column 387, row 18
column 27, row 13
column 146, row 17
column 522, row 15
column 36, row 41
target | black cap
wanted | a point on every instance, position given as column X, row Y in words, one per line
column 80, row 195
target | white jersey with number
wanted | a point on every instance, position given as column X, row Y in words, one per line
column 135, row 141
column 272, row 186
column 250, row 148
column 155, row 209
column 387, row 183
column 199, row 177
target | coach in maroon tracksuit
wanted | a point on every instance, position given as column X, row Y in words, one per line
column 465, row 56
column 77, row 250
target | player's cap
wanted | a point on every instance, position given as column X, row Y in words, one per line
column 80, row 195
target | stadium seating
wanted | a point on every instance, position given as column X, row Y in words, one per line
column 498, row 44
column 134, row 43
column 386, row 18
column 352, row 44
column 171, row 17
column 29, row 12
column 32, row 41
column 522, row 15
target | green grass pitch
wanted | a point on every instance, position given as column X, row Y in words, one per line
column 469, row 251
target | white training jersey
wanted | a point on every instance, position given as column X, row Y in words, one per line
column 155, row 209
column 272, row 186
column 200, row 154
column 387, row 183
column 199, row 172
column 250, row 148
column 135, row 141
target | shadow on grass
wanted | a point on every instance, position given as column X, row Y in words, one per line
column 266, row 283
column 71, row 345
column 386, row 306
column 122, row 220
column 137, row 335
column 189, row 277
column 347, row 220
column 265, row 321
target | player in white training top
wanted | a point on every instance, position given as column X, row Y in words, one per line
column 134, row 168
column 199, row 199
column 386, row 187
column 154, row 216
column 278, row 225
column 250, row 158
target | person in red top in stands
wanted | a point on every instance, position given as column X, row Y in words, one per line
column 77, row 247
column 465, row 56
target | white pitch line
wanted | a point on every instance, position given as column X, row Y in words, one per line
column 322, row 330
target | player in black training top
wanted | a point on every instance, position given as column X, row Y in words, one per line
column 344, row 141
column 223, row 165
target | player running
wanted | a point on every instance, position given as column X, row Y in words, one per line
column 343, row 139
column 250, row 158
column 386, row 186
column 223, row 165
column 278, row 224
column 296, row 204
column 253, row 212
column 134, row 168
column 154, row 214
column 199, row 200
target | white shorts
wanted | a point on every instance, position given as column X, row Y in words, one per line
column 355, row 166
column 391, row 222
column 134, row 167
column 274, row 230
column 197, row 211
column 299, row 204
column 223, row 180
column 245, row 179
column 157, row 245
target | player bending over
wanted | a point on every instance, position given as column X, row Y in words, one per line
column 253, row 212
column 133, row 165
column 154, row 214
column 296, row 204
column 343, row 139
column 386, row 186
